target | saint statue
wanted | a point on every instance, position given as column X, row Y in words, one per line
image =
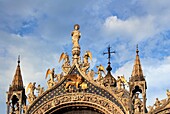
column 137, row 104
column 157, row 103
column 76, row 36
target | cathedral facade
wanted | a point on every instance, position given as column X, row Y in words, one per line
column 75, row 91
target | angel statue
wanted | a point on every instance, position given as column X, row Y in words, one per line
column 31, row 95
column 76, row 36
column 121, row 81
column 86, row 64
column 51, row 81
column 99, row 72
column 124, row 81
column 66, row 65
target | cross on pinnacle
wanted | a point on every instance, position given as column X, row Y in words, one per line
column 18, row 59
column 109, row 54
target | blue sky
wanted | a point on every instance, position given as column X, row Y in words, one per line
column 39, row 31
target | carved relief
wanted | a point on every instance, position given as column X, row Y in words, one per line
column 86, row 98
column 73, row 80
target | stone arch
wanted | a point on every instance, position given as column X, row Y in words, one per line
column 92, row 102
column 77, row 107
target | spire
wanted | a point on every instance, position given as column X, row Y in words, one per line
column 17, row 83
column 137, row 85
column 137, row 73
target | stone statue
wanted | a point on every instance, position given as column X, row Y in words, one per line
column 51, row 81
column 168, row 93
column 66, row 66
column 76, row 36
column 59, row 76
column 40, row 90
column 86, row 64
column 99, row 72
column 31, row 95
column 157, row 103
column 16, row 108
column 123, row 80
column 119, row 83
column 137, row 104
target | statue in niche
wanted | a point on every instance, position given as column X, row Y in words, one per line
column 66, row 66
column 16, row 108
column 76, row 36
column 137, row 104
column 31, row 95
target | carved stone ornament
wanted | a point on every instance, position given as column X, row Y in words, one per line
column 95, row 101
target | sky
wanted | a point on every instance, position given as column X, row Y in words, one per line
column 39, row 31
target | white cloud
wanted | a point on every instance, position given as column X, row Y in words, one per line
column 135, row 28
column 125, row 70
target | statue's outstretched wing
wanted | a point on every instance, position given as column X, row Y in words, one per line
column 123, row 79
column 29, row 85
column 47, row 73
column 62, row 56
column 90, row 55
column 101, row 68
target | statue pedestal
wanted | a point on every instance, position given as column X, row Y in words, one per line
column 76, row 55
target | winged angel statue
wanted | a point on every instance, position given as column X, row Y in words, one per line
column 121, row 81
column 86, row 64
column 99, row 72
column 66, row 66
column 31, row 95
column 51, row 81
